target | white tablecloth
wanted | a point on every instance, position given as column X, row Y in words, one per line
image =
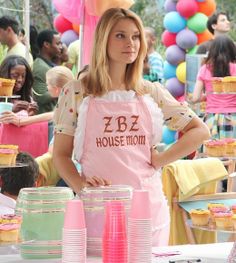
column 208, row 253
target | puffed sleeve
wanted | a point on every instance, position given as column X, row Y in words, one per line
column 176, row 114
column 66, row 110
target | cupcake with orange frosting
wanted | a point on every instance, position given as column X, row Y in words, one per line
column 200, row 217
column 233, row 209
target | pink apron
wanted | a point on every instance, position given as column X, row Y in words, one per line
column 117, row 147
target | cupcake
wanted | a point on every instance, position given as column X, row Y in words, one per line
column 220, row 209
column 9, row 232
column 234, row 221
column 233, row 208
column 200, row 217
column 230, row 146
column 229, row 84
column 6, row 86
column 223, row 220
column 215, row 148
column 8, row 153
column 211, row 205
column 217, row 85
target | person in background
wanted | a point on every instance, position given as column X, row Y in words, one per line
column 9, row 29
column 21, row 35
column 220, row 108
column 33, row 41
column 12, row 180
column 56, row 78
column 148, row 73
column 63, row 58
column 16, row 67
column 217, row 24
column 50, row 47
column 74, row 57
column 111, row 118
column 154, row 58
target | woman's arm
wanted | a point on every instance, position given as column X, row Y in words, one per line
column 197, row 93
column 62, row 158
column 10, row 117
column 194, row 134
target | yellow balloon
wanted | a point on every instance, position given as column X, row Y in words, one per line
column 181, row 72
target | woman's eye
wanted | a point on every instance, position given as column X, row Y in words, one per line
column 120, row 35
column 136, row 37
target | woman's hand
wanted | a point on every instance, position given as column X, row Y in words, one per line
column 9, row 117
column 96, row 181
column 32, row 108
column 20, row 105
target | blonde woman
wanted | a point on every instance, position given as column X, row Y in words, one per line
column 111, row 122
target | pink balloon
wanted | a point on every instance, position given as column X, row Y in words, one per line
column 70, row 9
column 61, row 24
column 168, row 38
column 187, row 8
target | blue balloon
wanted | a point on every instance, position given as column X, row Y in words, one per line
column 169, row 70
column 168, row 136
column 174, row 22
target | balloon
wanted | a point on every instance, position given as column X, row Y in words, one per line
column 207, row 7
column 68, row 37
column 76, row 27
column 169, row 70
column 175, row 87
column 70, row 9
column 175, row 54
column 193, row 50
column 168, row 38
column 174, row 22
column 61, row 24
column 205, row 36
column 187, row 8
column 169, row 6
column 197, row 23
column 168, row 136
column 98, row 7
column 186, row 39
column 181, row 72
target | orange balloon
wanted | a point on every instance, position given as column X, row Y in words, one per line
column 75, row 28
column 207, row 7
column 205, row 36
column 98, row 7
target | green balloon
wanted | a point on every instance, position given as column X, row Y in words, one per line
column 193, row 50
column 197, row 23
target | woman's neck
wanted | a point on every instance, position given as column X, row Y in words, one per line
column 117, row 75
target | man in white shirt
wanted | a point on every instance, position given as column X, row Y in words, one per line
column 9, row 29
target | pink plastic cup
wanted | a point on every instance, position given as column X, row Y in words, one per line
column 115, row 221
column 140, row 205
column 74, row 215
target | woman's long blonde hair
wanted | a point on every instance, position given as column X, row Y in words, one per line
column 97, row 81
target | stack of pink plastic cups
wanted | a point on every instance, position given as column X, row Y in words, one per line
column 74, row 235
column 114, row 235
column 140, row 229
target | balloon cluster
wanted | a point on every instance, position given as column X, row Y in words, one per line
column 67, row 21
column 185, row 28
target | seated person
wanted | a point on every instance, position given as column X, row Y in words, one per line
column 12, row 180
column 16, row 67
column 56, row 78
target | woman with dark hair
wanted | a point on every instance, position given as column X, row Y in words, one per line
column 220, row 108
column 16, row 67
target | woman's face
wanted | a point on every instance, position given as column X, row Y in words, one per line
column 124, row 42
column 18, row 73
